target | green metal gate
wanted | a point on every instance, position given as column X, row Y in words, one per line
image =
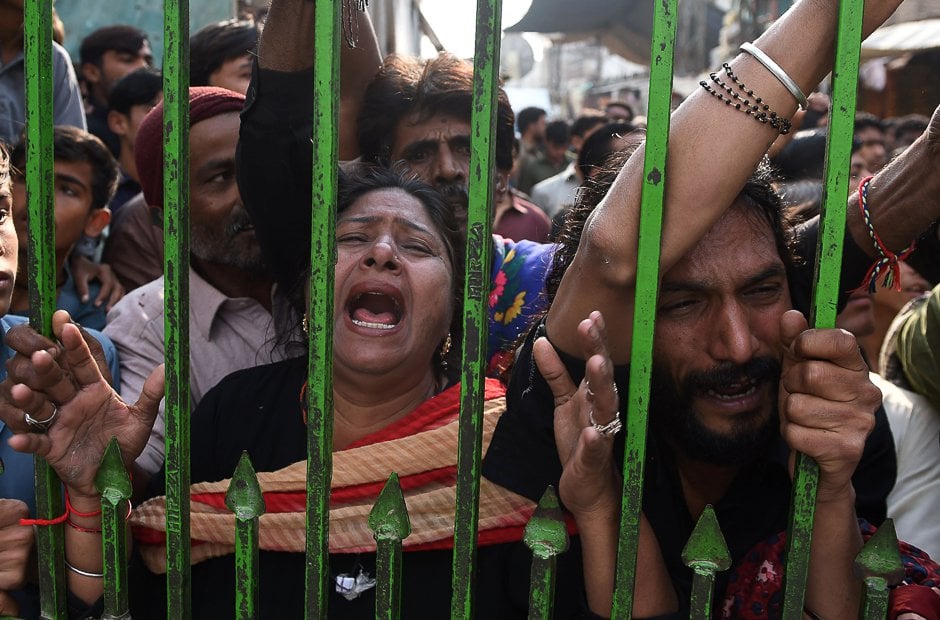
column 546, row 535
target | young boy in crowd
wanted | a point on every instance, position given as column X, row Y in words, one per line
column 85, row 179
column 130, row 100
column 221, row 54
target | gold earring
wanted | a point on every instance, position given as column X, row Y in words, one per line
column 445, row 349
column 305, row 325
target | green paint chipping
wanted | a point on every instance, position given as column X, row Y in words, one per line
column 483, row 119
column 37, row 52
column 176, row 303
column 112, row 480
column 324, row 179
column 389, row 523
column 662, row 51
column 826, row 290
column 115, row 487
column 545, row 533
column 879, row 565
column 880, row 556
column 244, row 498
column 547, row 537
column 706, row 547
column 705, row 553
column 389, row 519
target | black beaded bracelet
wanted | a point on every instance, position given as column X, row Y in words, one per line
column 756, row 107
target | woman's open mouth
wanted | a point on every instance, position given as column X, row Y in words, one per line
column 374, row 310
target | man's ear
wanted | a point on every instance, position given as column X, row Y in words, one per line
column 91, row 72
column 97, row 220
column 118, row 123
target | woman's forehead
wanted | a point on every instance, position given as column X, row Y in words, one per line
column 390, row 204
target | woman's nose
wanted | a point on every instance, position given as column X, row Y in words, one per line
column 383, row 255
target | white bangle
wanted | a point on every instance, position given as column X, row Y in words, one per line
column 83, row 573
column 777, row 71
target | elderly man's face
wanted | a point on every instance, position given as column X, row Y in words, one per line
column 222, row 231
column 717, row 345
column 437, row 149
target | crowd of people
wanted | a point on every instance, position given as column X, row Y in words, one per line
column 740, row 379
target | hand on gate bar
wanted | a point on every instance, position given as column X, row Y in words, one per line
column 827, row 402
column 63, row 388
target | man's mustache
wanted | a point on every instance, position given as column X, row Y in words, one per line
column 756, row 370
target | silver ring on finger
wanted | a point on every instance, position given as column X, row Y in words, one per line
column 610, row 429
column 588, row 391
column 40, row 426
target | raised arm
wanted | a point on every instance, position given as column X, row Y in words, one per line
column 274, row 150
column 713, row 148
column 902, row 197
column 288, row 43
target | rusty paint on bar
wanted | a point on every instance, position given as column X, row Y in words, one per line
column 176, row 316
column 390, row 524
column 826, row 290
column 327, row 15
column 244, row 498
column 647, row 286
column 475, row 310
column 705, row 553
column 113, row 483
column 546, row 535
column 37, row 50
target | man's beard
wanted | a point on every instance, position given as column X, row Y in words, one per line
column 674, row 419
column 225, row 246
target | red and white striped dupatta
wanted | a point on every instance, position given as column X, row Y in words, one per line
column 421, row 448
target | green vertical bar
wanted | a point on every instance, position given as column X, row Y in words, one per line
column 547, row 537
column 874, row 599
column 112, row 482
column 826, row 291
column 245, row 499
column 703, row 588
column 475, row 315
column 647, row 286
column 176, row 285
column 879, row 565
column 705, row 553
column 390, row 524
column 322, row 260
column 37, row 34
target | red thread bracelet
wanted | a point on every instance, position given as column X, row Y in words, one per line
column 56, row 521
column 888, row 259
column 87, row 530
column 69, row 509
